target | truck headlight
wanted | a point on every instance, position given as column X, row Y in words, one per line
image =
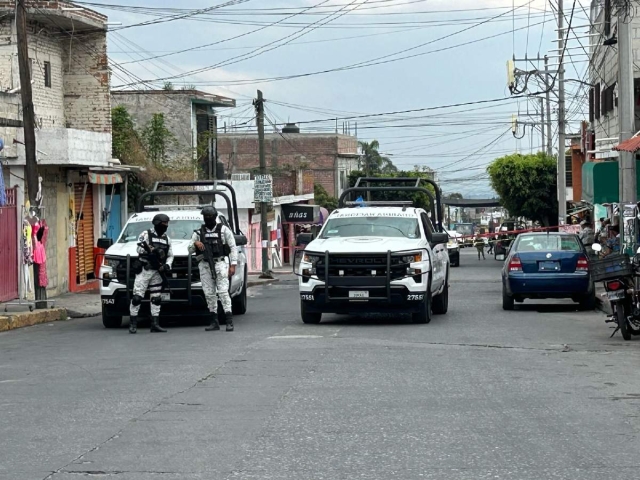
column 111, row 262
column 411, row 257
column 311, row 258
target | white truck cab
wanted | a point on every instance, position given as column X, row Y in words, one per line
column 184, row 295
column 371, row 257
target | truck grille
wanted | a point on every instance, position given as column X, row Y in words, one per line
column 179, row 270
column 349, row 265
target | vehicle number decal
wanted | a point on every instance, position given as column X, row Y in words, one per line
column 415, row 297
column 306, row 296
column 108, row 301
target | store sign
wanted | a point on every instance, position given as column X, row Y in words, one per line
column 301, row 213
column 263, row 189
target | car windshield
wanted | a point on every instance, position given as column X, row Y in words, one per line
column 534, row 243
column 178, row 230
column 372, row 226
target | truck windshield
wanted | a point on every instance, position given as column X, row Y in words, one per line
column 372, row 226
column 178, row 230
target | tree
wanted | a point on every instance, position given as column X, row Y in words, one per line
column 157, row 139
column 168, row 86
column 454, row 196
column 321, row 197
column 373, row 162
column 527, row 186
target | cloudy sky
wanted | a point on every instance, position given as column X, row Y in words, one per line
column 317, row 60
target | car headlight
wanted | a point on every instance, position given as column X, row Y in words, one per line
column 411, row 257
column 311, row 258
column 452, row 244
column 111, row 262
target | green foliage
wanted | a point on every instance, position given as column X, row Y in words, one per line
column 157, row 139
column 527, row 186
column 321, row 197
column 123, row 132
column 373, row 162
column 454, row 195
column 420, row 200
column 168, row 86
column 188, row 87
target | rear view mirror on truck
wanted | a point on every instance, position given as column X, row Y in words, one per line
column 439, row 238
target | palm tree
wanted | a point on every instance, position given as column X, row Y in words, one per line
column 375, row 163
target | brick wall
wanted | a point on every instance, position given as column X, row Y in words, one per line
column 177, row 112
column 239, row 152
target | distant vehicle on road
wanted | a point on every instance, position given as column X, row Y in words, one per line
column 466, row 230
column 453, row 247
column 547, row 265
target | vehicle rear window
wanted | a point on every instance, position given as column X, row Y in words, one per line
column 534, row 243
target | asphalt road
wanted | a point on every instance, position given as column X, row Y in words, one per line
column 538, row 393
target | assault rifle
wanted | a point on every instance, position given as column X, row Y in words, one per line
column 154, row 258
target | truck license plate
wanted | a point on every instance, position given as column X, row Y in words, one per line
column 165, row 297
column 616, row 295
column 358, row 294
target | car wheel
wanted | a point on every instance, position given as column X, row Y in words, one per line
column 111, row 321
column 588, row 302
column 507, row 300
column 425, row 313
column 441, row 302
column 456, row 263
column 309, row 317
column 239, row 302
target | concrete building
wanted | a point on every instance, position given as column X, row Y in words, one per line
column 70, row 77
column 190, row 115
column 330, row 156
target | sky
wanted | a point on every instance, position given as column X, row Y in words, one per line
column 392, row 69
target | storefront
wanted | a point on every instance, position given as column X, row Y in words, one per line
column 300, row 219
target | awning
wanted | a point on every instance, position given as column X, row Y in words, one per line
column 105, row 178
column 631, row 145
column 600, row 182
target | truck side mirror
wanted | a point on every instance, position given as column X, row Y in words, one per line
column 439, row 238
column 241, row 240
column 104, row 243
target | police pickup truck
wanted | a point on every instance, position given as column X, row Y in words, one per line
column 377, row 256
column 183, row 294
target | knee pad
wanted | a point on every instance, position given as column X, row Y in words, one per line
column 136, row 300
column 156, row 300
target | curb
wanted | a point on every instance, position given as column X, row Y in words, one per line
column 28, row 319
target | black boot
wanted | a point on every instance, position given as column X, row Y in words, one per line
column 229, row 317
column 133, row 324
column 213, row 325
column 155, row 325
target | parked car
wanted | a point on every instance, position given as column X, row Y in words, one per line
column 453, row 248
column 547, row 265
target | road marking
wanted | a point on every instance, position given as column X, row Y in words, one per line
column 295, row 336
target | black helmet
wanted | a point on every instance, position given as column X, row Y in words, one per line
column 209, row 211
column 160, row 218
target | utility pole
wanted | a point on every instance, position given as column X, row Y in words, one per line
column 28, row 112
column 562, row 176
column 626, row 115
column 259, row 103
column 542, row 124
column 548, row 100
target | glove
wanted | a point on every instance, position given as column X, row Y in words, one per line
column 166, row 268
column 160, row 254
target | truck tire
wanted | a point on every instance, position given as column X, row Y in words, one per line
column 239, row 302
column 307, row 316
column 441, row 302
column 111, row 321
column 425, row 313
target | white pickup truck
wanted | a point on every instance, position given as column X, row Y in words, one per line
column 184, row 295
column 375, row 259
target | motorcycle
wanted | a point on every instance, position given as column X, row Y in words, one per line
column 620, row 275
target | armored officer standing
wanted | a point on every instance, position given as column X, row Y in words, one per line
column 156, row 257
column 211, row 244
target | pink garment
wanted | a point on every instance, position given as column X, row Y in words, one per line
column 39, row 254
column 43, row 279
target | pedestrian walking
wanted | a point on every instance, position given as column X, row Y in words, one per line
column 212, row 243
column 491, row 242
column 479, row 244
column 155, row 259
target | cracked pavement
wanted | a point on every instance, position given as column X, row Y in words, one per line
column 538, row 393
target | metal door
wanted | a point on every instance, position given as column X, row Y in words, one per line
column 9, row 248
column 114, row 223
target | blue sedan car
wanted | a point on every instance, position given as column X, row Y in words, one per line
column 547, row 265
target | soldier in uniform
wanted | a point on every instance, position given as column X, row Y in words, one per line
column 156, row 257
column 211, row 244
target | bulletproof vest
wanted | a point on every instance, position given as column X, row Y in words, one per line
column 213, row 240
column 160, row 244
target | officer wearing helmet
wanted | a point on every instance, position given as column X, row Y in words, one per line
column 156, row 258
column 211, row 244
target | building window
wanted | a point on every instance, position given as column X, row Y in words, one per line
column 607, row 103
column 591, row 106
column 568, row 171
column 47, row 74
column 596, row 101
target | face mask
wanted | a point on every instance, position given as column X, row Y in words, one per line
column 161, row 229
column 210, row 222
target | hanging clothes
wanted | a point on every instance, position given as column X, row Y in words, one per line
column 40, row 234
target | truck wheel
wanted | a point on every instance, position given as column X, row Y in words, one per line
column 307, row 316
column 441, row 302
column 111, row 321
column 239, row 302
column 425, row 313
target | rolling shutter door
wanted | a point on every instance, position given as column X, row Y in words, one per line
column 84, row 228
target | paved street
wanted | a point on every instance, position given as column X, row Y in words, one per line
column 477, row 394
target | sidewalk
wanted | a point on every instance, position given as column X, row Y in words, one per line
column 72, row 305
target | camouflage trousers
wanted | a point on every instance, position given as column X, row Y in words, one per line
column 152, row 280
column 217, row 286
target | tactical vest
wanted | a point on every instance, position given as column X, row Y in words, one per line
column 213, row 240
column 159, row 244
